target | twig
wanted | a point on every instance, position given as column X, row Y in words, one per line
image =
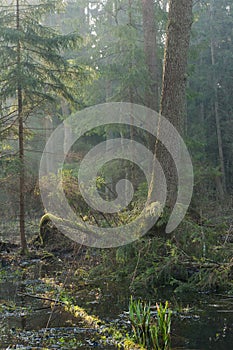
column 229, row 231
column 41, row 298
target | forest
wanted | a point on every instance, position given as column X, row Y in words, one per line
column 116, row 174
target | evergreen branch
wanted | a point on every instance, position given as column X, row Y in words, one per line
column 4, row 117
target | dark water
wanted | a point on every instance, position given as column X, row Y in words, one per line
column 200, row 321
column 29, row 322
column 209, row 324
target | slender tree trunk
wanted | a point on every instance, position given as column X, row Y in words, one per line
column 222, row 184
column 109, row 189
column 173, row 96
column 150, row 49
column 131, row 94
column 21, row 143
column 131, row 97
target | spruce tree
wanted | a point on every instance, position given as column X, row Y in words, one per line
column 34, row 72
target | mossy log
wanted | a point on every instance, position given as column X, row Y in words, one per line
column 62, row 233
column 50, row 236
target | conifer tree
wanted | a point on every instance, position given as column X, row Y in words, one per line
column 34, row 72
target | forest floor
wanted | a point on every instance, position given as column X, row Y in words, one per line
column 61, row 288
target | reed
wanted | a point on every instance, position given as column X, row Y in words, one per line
column 149, row 332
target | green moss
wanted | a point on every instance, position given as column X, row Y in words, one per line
column 111, row 333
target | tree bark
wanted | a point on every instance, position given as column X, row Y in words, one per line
column 173, row 96
column 21, row 142
column 150, row 49
column 222, row 184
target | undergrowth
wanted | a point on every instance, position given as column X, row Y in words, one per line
column 196, row 258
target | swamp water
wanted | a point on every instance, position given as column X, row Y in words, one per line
column 202, row 322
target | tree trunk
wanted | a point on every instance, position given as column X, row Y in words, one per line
column 222, row 183
column 48, row 127
column 21, row 144
column 173, row 96
column 149, row 29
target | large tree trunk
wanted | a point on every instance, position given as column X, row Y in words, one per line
column 149, row 29
column 222, row 183
column 173, row 96
column 21, row 144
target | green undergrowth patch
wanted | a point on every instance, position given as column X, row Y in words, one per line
column 196, row 258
